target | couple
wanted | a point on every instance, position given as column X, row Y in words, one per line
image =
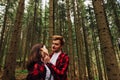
column 42, row 66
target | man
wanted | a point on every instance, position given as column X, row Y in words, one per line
column 58, row 61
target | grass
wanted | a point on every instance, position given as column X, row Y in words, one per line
column 21, row 74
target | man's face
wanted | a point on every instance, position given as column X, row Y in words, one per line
column 56, row 46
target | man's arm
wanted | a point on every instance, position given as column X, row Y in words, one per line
column 63, row 69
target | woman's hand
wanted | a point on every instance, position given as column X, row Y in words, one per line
column 45, row 50
column 46, row 58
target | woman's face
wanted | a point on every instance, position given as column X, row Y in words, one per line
column 42, row 53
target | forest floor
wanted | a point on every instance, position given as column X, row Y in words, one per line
column 19, row 74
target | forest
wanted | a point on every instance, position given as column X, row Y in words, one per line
column 91, row 29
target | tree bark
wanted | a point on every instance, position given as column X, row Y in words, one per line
column 70, row 41
column 10, row 62
column 112, row 68
column 51, row 24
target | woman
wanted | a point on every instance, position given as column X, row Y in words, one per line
column 35, row 65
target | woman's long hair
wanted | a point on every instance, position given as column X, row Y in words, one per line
column 34, row 56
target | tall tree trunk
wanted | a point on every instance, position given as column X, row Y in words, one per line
column 51, row 20
column 3, row 33
column 92, row 25
column 79, row 40
column 45, row 26
column 40, row 29
column 27, row 41
column 56, row 16
column 70, row 41
column 112, row 68
column 88, row 60
column 10, row 62
column 33, row 33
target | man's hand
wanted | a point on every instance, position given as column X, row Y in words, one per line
column 46, row 59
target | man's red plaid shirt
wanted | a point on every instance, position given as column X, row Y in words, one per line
column 59, row 71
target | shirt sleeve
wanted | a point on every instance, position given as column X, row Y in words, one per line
column 63, row 66
column 38, row 69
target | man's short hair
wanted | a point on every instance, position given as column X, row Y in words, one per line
column 58, row 37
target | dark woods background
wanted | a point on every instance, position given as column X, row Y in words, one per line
column 91, row 29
